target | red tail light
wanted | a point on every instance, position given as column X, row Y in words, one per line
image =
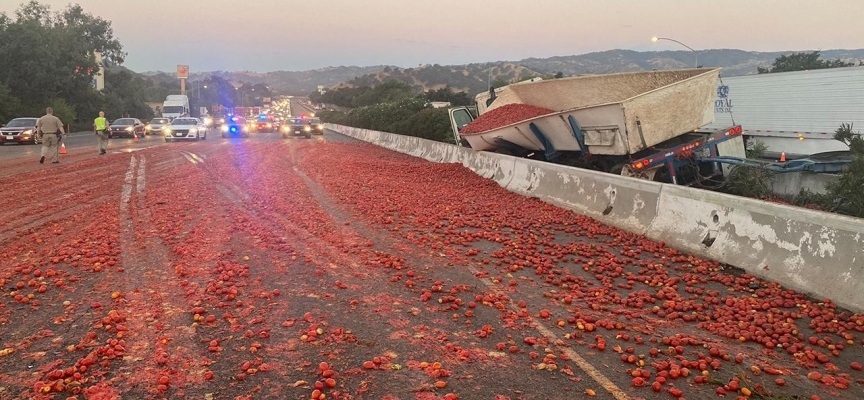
column 738, row 129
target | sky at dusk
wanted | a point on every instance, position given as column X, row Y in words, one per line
column 268, row 35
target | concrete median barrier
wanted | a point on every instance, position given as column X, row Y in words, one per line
column 818, row 253
column 810, row 251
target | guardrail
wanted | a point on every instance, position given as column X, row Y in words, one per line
column 815, row 252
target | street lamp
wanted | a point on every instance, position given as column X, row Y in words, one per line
column 655, row 39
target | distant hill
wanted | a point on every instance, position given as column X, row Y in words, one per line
column 474, row 78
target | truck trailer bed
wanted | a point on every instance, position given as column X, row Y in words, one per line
column 616, row 114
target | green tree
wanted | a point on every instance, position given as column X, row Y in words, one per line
column 558, row 75
column 49, row 56
column 801, row 62
column 847, row 193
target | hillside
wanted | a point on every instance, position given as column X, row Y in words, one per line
column 473, row 78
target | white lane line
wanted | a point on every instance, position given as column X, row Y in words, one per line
column 141, row 182
column 188, row 157
column 577, row 359
column 197, row 157
column 126, row 194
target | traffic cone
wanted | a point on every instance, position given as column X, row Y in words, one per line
column 136, row 139
column 62, row 148
column 783, row 157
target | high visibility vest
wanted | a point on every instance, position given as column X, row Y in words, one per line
column 101, row 124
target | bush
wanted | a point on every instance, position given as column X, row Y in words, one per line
column 410, row 117
column 846, row 195
column 749, row 181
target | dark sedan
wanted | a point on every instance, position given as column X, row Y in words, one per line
column 20, row 130
column 130, row 127
column 296, row 127
column 317, row 126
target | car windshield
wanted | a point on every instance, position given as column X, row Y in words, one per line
column 22, row 123
column 124, row 121
column 185, row 121
column 315, row 121
column 173, row 109
column 159, row 121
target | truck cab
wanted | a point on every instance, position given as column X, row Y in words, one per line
column 175, row 106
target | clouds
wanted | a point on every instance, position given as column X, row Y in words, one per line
column 266, row 35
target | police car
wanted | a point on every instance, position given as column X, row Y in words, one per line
column 235, row 126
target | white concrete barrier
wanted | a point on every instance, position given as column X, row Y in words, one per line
column 810, row 251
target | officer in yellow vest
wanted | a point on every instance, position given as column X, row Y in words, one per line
column 100, row 125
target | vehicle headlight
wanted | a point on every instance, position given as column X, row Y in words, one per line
column 245, row 129
column 284, row 129
column 167, row 131
column 269, row 125
column 130, row 129
column 307, row 128
column 147, row 127
column 27, row 132
column 193, row 130
column 224, row 128
column 320, row 126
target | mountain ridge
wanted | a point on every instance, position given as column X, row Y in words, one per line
column 475, row 77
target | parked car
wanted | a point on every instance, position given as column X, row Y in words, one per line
column 20, row 130
column 186, row 128
column 236, row 127
column 130, row 127
column 296, row 126
column 156, row 126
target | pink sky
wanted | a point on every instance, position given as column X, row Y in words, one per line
column 265, row 35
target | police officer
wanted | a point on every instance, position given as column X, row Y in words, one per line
column 100, row 125
column 50, row 129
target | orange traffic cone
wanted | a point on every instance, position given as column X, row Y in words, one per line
column 783, row 157
column 136, row 139
column 62, row 148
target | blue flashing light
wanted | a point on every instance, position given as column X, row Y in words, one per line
column 233, row 119
column 234, row 129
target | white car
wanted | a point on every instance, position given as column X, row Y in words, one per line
column 186, row 128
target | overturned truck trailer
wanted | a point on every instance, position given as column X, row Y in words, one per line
column 633, row 123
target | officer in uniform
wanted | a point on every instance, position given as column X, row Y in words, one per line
column 100, row 125
column 50, row 129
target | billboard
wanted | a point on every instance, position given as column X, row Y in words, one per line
column 182, row 71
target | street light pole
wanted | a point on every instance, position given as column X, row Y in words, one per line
column 655, row 39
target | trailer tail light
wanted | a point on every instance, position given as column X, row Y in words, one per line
column 731, row 131
column 738, row 129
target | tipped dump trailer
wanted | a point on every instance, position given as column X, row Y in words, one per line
column 634, row 124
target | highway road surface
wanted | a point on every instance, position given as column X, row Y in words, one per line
column 271, row 268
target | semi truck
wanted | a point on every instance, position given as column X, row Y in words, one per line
column 795, row 113
column 175, row 106
column 640, row 124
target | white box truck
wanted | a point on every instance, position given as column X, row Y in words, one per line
column 793, row 112
column 175, row 106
